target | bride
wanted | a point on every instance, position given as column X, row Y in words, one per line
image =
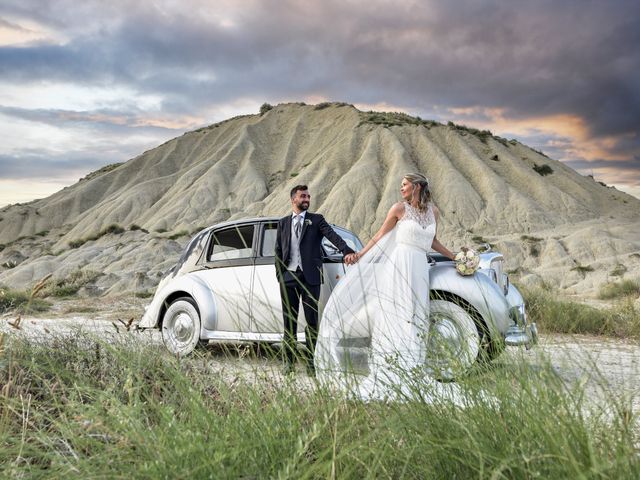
column 384, row 296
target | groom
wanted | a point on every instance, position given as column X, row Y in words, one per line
column 299, row 271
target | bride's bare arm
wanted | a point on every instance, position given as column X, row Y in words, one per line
column 436, row 245
column 395, row 213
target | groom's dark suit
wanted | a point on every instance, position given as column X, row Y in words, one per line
column 305, row 281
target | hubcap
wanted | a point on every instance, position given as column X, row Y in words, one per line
column 183, row 327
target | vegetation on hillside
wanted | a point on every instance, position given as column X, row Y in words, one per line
column 101, row 171
column 113, row 229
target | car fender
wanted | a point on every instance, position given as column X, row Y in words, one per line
column 195, row 287
column 479, row 291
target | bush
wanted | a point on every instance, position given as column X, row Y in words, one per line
column 101, row 171
column 542, row 169
column 76, row 243
column 561, row 316
column 618, row 270
column 111, row 229
column 181, row 233
column 624, row 288
column 392, row 119
column 532, row 244
column 21, row 300
column 582, row 269
column 65, row 287
column 264, row 108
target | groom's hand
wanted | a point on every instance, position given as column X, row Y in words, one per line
column 351, row 258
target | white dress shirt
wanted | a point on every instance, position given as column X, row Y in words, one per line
column 296, row 259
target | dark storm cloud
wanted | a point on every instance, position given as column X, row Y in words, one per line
column 108, row 121
column 631, row 165
column 42, row 164
column 529, row 59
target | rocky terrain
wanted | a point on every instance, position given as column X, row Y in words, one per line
column 118, row 229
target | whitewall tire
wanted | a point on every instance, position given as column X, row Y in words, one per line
column 181, row 327
column 453, row 342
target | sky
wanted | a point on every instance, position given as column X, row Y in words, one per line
column 88, row 83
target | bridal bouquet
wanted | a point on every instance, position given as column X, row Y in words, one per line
column 467, row 261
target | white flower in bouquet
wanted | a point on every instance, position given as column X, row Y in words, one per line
column 467, row 261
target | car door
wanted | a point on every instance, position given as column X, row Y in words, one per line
column 266, row 302
column 228, row 272
column 267, row 305
column 333, row 267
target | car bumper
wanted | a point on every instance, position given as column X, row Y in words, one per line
column 521, row 332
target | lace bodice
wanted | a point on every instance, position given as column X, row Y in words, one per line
column 415, row 228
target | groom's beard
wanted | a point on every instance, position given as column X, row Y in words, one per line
column 302, row 206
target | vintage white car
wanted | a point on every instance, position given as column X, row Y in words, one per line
column 224, row 288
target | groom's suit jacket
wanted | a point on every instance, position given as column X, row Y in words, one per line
column 314, row 228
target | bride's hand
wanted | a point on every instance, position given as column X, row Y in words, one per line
column 351, row 258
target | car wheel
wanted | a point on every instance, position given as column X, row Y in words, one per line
column 453, row 342
column 181, row 327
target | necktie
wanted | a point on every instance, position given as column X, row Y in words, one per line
column 298, row 226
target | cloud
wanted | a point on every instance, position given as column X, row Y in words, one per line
column 529, row 59
column 114, row 120
column 42, row 164
column 564, row 74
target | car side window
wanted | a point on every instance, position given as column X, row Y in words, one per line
column 269, row 240
column 232, row 243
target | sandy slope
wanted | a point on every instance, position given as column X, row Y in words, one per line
column 246, row 166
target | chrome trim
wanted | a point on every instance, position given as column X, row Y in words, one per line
column 521, row 332
column 506, row 283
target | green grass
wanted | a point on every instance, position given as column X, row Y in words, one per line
column 618, row 270
column 181, row 233
column 554, row 315
column 583, row 269
column 533, row 244
column 20, row 301
column 84, row 409
column 113, row 229
column 623, row 288
column 393, row 119
column 65, row 287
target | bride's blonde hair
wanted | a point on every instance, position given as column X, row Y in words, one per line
column 425, row 193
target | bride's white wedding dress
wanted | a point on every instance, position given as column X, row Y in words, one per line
column 384, row 297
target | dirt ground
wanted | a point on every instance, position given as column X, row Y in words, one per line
column 575, row 357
